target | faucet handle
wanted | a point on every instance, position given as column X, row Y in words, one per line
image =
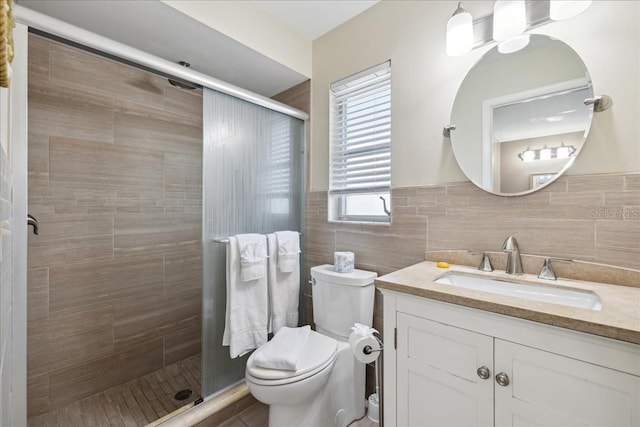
column 547, row 272
column 485, row 262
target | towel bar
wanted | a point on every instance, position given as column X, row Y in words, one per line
column 226, row 239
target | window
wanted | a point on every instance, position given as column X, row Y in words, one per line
column 278, row 179
column 360, row 146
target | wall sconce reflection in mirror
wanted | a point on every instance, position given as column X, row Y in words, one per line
column 546, row 153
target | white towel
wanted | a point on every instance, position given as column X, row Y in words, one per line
column 247, row 316
column 284, row 291
column 288, row 250
column 253, row 255
column 284, row 349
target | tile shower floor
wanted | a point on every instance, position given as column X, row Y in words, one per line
column 135, row 403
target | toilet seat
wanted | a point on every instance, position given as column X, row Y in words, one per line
column 319, row 353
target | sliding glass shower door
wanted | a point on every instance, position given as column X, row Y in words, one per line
column 253, row 183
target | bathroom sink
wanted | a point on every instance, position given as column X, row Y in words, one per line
column 530, row 291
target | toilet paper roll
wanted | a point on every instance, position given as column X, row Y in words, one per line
column 359, row 344
column 353, row 338
column 343, row 262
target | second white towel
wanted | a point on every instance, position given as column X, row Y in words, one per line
column 253, row 253
column 284, row 288
column 288, row 250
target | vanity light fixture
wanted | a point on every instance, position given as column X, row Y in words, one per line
column 564, row 9
column 459, row 32
column 509, row 19
column 546, row 153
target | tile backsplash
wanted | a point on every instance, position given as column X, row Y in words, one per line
column 591, row 218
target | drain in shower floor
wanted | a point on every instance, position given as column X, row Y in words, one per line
column 183, row 394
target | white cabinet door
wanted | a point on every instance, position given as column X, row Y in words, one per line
column 549, row 390
column 437, row 379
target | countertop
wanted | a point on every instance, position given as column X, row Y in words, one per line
column 619, row 317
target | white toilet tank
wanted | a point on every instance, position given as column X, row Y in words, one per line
column 341, row 299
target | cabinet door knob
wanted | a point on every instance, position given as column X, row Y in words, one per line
column 502, row 379
column 483, row 372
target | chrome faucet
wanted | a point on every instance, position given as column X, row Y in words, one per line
column 514, row 263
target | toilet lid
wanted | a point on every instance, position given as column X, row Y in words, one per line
column 318, row 353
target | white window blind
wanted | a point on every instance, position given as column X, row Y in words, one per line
column 360, row 141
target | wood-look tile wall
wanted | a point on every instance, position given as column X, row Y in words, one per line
column 591, row 218
column 114, row 277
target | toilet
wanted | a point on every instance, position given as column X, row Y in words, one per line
column 328, row 388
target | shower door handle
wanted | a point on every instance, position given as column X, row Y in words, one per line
column 34, row 222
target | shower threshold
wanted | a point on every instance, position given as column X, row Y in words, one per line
column 132, row 404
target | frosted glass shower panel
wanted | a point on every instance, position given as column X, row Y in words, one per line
column 253, row 183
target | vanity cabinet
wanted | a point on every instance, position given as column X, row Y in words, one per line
column 436, row 374
column 458, row 366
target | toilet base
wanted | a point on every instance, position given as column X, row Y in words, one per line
column 340, row 402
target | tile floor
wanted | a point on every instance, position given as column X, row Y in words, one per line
column 257, row 415
column 148, row 398
column 132, row 404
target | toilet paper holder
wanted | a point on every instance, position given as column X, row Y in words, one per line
column 367, row 349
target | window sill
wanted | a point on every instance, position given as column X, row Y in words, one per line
column 337, row 221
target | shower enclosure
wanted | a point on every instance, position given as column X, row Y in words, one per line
column 126, row 281
column 252, row 183
column 115, row 272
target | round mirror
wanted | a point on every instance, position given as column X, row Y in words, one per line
column 520, row 117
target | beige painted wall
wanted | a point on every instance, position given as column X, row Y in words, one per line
column 425, row 82
column 252, row 27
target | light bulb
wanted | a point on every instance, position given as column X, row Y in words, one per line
column 562, row 152
column 545, row 153
column 459, row 32
column 528, row 156
column 564, row 9
column 509, row 19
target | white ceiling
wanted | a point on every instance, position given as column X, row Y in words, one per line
column 160, row 30
column 314, row 18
